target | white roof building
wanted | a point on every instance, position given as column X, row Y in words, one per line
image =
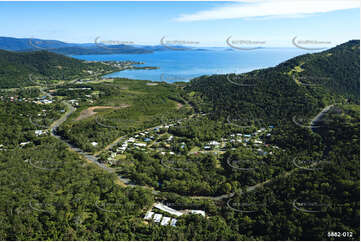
column 39, row 132
column 140, row 144
column 24, row 143
column 157, row 217
column 213, row 143
column 148, row 215
column 173, row 222
column 94, row 143
column 201, row 212
column 165, row 221
column 168, row 209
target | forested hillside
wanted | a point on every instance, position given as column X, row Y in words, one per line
column 15, row 68
column 302, row 85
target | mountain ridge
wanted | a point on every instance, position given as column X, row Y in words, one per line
column 276, row 93
column 56, row 46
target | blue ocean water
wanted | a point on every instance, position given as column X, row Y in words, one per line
column 185, row 65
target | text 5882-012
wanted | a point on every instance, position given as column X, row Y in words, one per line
column 340, row 234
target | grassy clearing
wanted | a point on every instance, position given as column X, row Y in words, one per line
column 146, row 107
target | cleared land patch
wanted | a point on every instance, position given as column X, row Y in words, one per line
column 151, row 84
column 91, row 111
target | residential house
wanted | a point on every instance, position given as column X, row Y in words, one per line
column 148, row 215
column 157, row 217
column 165, row 221
column 173, row 222
column 200, row 212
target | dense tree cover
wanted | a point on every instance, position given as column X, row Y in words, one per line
column 204, row 174
column 329, row 69
column 19, row 120
column 307, row 190
column 275, row 95
column 332, row 189
column 49, row 193
column 16, row 67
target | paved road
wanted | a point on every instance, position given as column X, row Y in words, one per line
column 87, row 156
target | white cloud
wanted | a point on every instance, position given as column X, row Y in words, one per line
column 270, row 8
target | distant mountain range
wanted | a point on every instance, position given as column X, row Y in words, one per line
column 31, row 44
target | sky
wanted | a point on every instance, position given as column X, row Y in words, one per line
column 270, row 22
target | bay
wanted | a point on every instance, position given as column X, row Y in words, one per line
column 184, row 65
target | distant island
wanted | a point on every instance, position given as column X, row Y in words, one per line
column 59, row 47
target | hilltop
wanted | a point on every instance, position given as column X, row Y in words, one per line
column 301, row 85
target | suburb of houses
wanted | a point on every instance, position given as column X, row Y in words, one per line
column 158, row 139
